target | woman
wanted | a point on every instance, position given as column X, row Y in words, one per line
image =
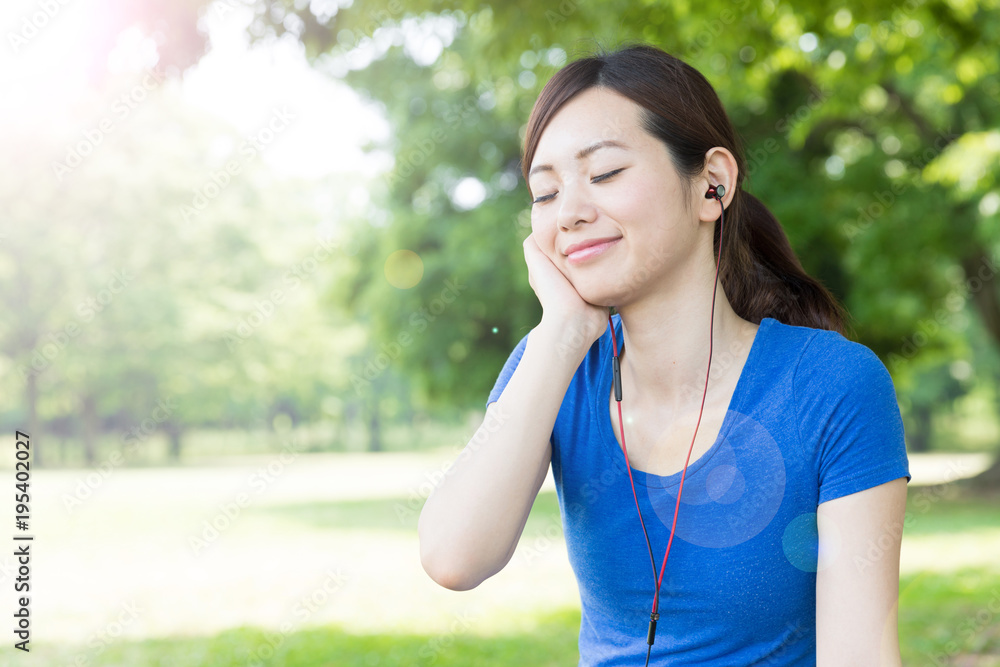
column 776, row 472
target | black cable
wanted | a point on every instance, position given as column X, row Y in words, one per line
column 616, row 372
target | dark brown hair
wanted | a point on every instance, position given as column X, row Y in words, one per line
column 760, row 273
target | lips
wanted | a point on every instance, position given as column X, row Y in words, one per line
column 584, row 250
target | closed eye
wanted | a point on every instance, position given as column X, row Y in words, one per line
column 604, row 177
column 595, row 179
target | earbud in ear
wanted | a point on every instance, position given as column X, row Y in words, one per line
column 716, row 191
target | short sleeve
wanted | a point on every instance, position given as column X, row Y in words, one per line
column 507, row 371
column 848, row 412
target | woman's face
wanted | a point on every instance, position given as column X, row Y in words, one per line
column 600, row 180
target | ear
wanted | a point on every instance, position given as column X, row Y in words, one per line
column 720, row 168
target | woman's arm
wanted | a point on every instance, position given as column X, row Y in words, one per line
column 472, row 521
column 857, row 579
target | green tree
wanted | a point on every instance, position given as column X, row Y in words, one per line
column 871, row 131
column 145, row 276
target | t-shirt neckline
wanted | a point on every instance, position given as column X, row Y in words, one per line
column 606, row 427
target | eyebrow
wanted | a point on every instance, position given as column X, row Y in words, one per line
column 584, row 152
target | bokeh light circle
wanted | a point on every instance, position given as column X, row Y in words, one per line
column 404, row 269
column 800, row 542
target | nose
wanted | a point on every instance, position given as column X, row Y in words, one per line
column 575, row 206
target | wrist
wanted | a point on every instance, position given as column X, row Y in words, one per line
column 570, row 341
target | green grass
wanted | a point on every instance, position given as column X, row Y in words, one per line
column 394, row 514
column 551, row 643
column 942, row 616
column 938, row 511
column 949, row 613
column 949, row 605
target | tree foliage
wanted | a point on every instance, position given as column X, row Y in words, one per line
column 870, row 131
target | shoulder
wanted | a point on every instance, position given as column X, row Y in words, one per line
column 827, row 362
column 845, row 411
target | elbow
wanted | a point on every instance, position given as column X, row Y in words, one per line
column 447, row 568
column 447, row 561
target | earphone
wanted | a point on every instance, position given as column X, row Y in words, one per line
column 714, row 192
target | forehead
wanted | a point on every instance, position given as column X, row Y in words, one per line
column 594, row 115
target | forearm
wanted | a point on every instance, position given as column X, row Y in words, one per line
column 472, row 521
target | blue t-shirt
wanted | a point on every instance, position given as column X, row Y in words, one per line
column 813, row 417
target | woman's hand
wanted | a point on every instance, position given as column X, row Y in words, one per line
column 579, row 321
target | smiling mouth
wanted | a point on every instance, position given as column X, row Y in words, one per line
column 591, row 251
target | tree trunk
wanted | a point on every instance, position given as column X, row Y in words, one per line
column 981, row 277
column 919, row 439
column 90, row 429
column 374, row 429
column 988, row 481
column 174, row 433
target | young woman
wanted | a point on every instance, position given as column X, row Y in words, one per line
column 762, row 449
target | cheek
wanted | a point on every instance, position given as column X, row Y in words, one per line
column 544, row 232
column 631, row 210
column 652, row 202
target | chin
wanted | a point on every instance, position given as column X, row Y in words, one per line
column 597, row 293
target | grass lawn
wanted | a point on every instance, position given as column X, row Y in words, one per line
column 312, row 560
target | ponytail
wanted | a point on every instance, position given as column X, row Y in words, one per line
column 762, row 276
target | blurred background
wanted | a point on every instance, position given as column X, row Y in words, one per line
column 260, row 264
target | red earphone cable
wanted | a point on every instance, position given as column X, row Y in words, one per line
column 628, row 468
column 614, row 343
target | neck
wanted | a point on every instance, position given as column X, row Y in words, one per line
column 666, row 338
